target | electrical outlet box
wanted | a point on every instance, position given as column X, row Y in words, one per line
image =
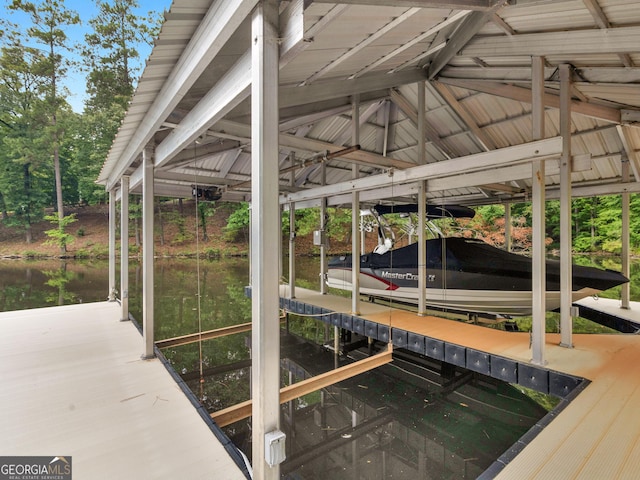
column 274, row 446
column 319, row 238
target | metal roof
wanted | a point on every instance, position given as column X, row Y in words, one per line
column 474, row 56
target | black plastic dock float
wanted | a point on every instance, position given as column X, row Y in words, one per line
column 615, row 322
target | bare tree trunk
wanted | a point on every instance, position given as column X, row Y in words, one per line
column 136, row 223
column 160, row 224
column 3, row 205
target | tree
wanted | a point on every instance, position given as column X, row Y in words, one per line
column 111, row 60
column 24, row 177
column 49, row 19
column 60, row 236
column 238, row 222
column 110, row 52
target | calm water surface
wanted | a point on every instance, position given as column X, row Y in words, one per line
column 414, row 418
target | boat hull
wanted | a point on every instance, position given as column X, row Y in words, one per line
column 473, row 277
column 495, row 302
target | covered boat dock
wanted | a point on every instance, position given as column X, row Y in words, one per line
column 322, row 103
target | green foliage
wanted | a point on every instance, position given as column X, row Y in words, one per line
column 180, row 221
column 211, row 252
column 110, row 52
column 490, row 213
column 339, row 223
column 59, row 236
column 25, row 180
column 238, row 222
column 205, row 210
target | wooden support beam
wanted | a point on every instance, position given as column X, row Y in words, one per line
column 242, row 410
column 209, row 334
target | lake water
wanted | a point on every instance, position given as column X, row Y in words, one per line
column 414, row 418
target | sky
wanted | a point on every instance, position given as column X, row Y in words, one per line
column 86, row 9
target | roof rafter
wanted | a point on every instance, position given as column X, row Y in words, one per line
column 220, row 23
column 297, row 41
column 632, row 155
column 226, row 127
column 588, row 41
column 424, row 35
column 299, row 115
column 463, row 34
column 524, row 95
column 365, row 43
column 609, row 75
column 485, row 141
column 603, row 22
column 481, row 5
column 408, row 109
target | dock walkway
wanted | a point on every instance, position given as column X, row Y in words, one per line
column 73, row 384
column 596, row 436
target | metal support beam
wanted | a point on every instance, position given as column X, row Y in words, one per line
column 446, row 171
column 112, row 246
column 124, row 247
column 422, row 204
column 147, row 252
column 463, row 35
column 292, row 230
column 355, row 214
column 566, row 321
column 422, row 249
column 292, row 250
column 538, row 280
column 323, row 226
column 626, row 250
column 265, row 222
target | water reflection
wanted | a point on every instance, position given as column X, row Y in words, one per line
column 28, row 284
column 414, row 418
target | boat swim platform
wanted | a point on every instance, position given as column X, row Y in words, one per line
column 594, row 432
column 74, row 384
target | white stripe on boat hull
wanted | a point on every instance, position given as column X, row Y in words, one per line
column 512, row 302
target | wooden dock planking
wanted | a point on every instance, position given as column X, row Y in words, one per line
column 74, row 384
column 596, row 436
